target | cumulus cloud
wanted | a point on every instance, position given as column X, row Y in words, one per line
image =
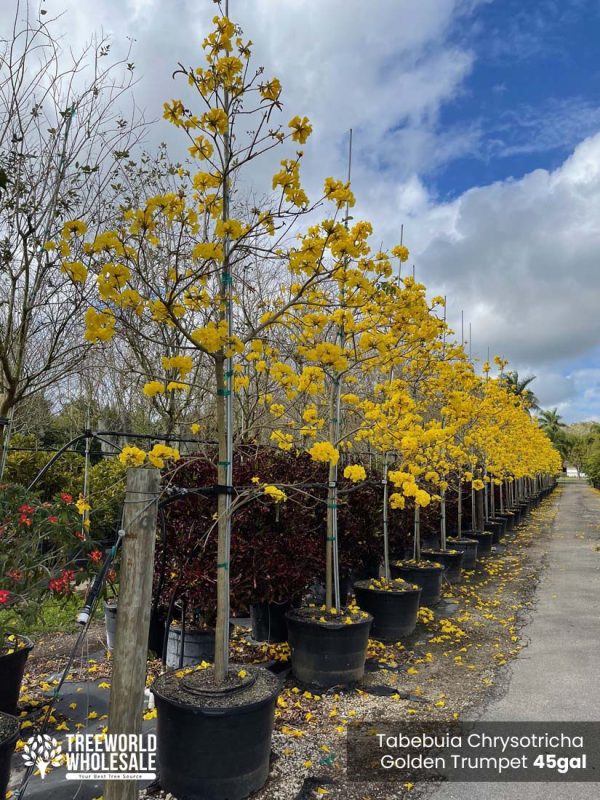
column 522, row 257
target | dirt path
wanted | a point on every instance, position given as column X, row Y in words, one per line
column 557, row 676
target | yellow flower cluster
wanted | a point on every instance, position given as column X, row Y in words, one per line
column 324, row 451
column 160, row 453
column 355, row 473
column 274, row 493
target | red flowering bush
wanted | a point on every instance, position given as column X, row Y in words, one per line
column 43, row 552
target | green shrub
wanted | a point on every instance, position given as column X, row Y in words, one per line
column 22, row 466
column 107, row 493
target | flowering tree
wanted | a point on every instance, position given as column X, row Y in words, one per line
column 180, row 260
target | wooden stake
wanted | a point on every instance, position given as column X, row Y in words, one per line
column 133, row 617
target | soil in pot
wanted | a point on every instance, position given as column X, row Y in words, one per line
column 328, row 649
column 13, row 657
column 268, row 621
column 214, row 744
column 9, row 733
column 392, row 604
column 451, row 559
column 426, row 574
column 469, row 549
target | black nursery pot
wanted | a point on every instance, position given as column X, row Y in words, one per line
column 216, row 748
column 327, row 654
column 268, row 621
column 484, row 541
column 198, row 645
column 495, row 528
column 394, row 613
column 9, row 733
column 501, row 521
column 510, row 520
column 518, row 514
column 452, row 562
column 428, row 577
column 469, row 549
column 12, row 667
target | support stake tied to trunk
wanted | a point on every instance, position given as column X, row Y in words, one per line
column 133, row 617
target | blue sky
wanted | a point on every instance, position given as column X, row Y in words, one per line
column 533, row 92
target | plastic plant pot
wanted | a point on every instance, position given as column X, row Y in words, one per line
column 12, row 667
column 469, row 549
column 328, row 653
column 484, row 541
column 394, row 612
column 451, row 559
column 9, row 733
column 268, row 621
column 214, row 745
column 426, row 574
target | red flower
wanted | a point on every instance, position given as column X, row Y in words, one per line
column 15, row 574
column 62, row 585
column 53, row 519
column 95, row 556
column 27, row 509
column 66, row 498
column 4, row 595
column 79, row 535
column 24, row 519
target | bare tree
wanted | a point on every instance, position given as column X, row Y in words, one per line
column 61, row 136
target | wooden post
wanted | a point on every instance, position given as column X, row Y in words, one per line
column 133, row 616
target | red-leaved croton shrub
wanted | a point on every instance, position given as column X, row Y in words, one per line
column 277, row 549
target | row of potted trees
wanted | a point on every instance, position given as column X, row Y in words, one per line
column 306, row 340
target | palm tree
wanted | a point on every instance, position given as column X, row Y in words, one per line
column 550, row 422
column 519, row 387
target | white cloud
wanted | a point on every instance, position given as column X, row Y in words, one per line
column 523, row 260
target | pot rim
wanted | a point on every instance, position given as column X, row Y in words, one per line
column 217, row 711
column 422, row 566
column 462, row 540
column 29, row 645
column 413, row 588
column 292, row 614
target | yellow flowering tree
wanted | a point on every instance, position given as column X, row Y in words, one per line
column 183, row 260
